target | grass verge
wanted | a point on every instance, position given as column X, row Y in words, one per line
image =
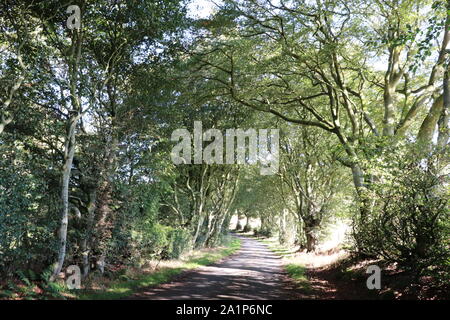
column 121, row 289
column 298, row 273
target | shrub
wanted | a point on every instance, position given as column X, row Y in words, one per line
column 180, row 242
column 160, row 242
column 409, row 220
column 25, row 228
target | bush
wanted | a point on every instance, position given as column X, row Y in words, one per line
column 180, row 242
column 409, row 220
column 160, row 242
column 25, row 222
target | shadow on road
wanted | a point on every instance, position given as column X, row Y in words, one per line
column 254, row 272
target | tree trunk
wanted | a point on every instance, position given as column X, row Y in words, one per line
column 282, row 236
column 103, row 227
column 428, row 126
column 218, row 228
column 444, row 120
column 247, row 226
column 197, row 230
column 209, row 229
column 311, row 242
column 389, row 122
column 104, row 224
column 69, row 153
column 312, row 221
column 75, row 113
column 86, row 243
column 310, row 229
column 358, row 177
column 238, row 223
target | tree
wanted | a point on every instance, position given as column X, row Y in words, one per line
column 311, row 177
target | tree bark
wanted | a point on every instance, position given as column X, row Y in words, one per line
column 428, row 127
column 67, row 167
column 311, row 225
column 86, row 243
column 444, row 120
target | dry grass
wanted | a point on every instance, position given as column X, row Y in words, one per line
column 293, row 255
column 318, row 260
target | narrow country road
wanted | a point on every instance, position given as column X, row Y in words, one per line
column 254, row 272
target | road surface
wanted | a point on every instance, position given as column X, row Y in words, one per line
column 254, row 272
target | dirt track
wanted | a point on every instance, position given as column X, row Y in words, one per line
column 254, row 272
